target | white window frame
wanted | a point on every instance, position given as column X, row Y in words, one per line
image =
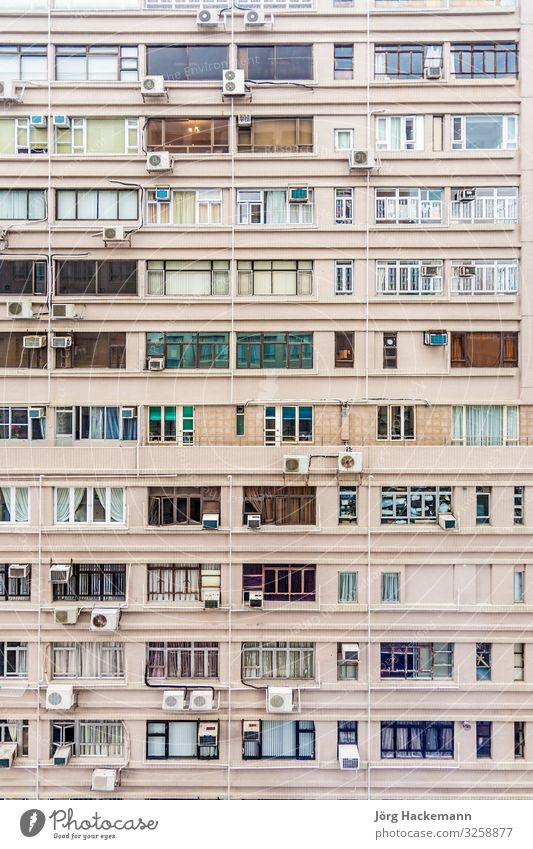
column 303, row 279
column 508, row 418
column 79, row 126
column 492, row 205
column 409, row 206
column 90, row 505
column 20, row 51
column 344, row 275
column 202, row 198
column 390, row 437
column 509, row 132
column 519, row 585
column 343, row 197
column 337, row 135
column 492, row 277
column 20, row 654
column 12, row 731
column 220, row 278
column 244, row 209
column 23, row 125
column 13, row 490
column 95, row 724
column 119, row 51
column 275, row 436
column 181, row 433
column 28, row 424
column 403, row 277
column 195, row 649
column 411, row 132
column 285, row 647
column 109, row 655
column 75, row 413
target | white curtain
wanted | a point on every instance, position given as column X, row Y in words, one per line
column 96, row 423
column 278, row 738
column 64, row 660
column 347, row 586
column 182, row 740
column 390, row 586
column 484, row 425
column 433, row 57
column 518, row 586
column 275, row 207
column 62, row 504
column 117, row 504
column 21, row 504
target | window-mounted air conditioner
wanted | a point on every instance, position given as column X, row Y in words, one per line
column 349, row 756
column 350, row 461
column 158, row 161
column 436, row 338
column 210, row 521
column 36, row 413
column 244, row 119
column 62, row 755
column 207, row 18
column 294, row 464
column 19, row 570
column 211, row 599
column 173, row 700
column 433, row 72
column 156, row 363
column 8, row 752
column 162, row 193
column 8, row 90
column 153, row 86
column 431, row 270
column 207, row 734
column 466, row 271
column 60, row 697
column 298, row 194
column 350, row 652
column 466, row 195
column 254, row 18
column 251, row 730
column 279, row 700
column 61, row 341
column 255, row 598
column 38, row 121
column 114, row 234
column 33, row 341
column 19, row 309
column 62, row 122
column 60, row 573
column 66, row 615
column 361, row 159
column 201, row 700
column 233, row 84
column 127, row 412
column 104, row 779
column 447, row 521
column 105, row 619
column 64, row 311
column 253, row 520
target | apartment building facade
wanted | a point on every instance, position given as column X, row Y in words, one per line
column 266, row 416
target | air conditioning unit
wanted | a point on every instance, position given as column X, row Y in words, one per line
column 33, row 341
column 62, row 756
column 350, row 461
column 62, row 122
column 279, row 700
column 61, row 341
column 173, row 700
column 8, row 90
column 294, row 464
column 19, row 309
column 466, row 271
column 466, row 195
column 66, row 615
column 114, row 234
column 207, row 734
column 233, row 82
column 38, row 121
column 255, row 598
column 158, row 161
column 104, row 779
column 447, row 522
column 8, row 753
column 210, row 521
column 64, row 311
column 251, row 730
column 36, row 413
column 430, row 270
column 363, row 159
column 105, row 619
column 153, row 86
column 435, row 338
column 253, row 521
column 162, row 193
column 127, row 412
column 349, row 756
column 254, row 18
column 298, row 194
column 201, row 700
column 350, row 652
column 211, row 599
column 60, row 697
column 244, row 120
column 207, row 18
column 18, row 570
column 433, row 73
column 156, row 363
column 60, row 573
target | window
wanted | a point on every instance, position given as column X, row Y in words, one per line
column 187, row 207
column 278, row 660
column 343, row 206
column 107, row 423
column 13, row 354
column 346, row 732
column 96, row 204
column 483, row 739
column 288, row 424
column 416, row 660
column 282, row 738
column 90, row 277
column 344, row 140
column 276, row 61
column 490, row 277
column 483, row 496
column 22, row 277
column 491, row 205
column 13, row 589
column 178, row 739
column 14, row 504
column 405, row 61
column 347, row 668
column 482, row 60
column 94, row 63
column 18, row 136
column 187, row 135
column 182, row 505
column 15, row 731
column 347, row 505
column 240, row 420
column 90, row 737
column 191, row 63
column 15, row 423
column 276, row 135
column 484, row 350
column 343, row 276
column 344, row 349
column 171, row 424
column 189, row 350
column 404, row 504
column 483, row 661
column 24, row 62
column 23, row 205
column 404, row 739
column 182, row 660
column 94, row 581
column 519, row 739
column 275, row 350
column 279, row 583
column 13, row 660
column 275, row 277
column 396, row 422
column 409, row 277
column 93, row 350
column 484, row 132
column 409, row 206
column 343, row 61
column 181, row 582
column 519, row 657
column 390, row 586
column 485, row 425
column 518, row 505
column 270, row 206
column 98, row 136
column 347, row 587
column 390, row 350
column 88, row 660
column 186, row 278
column 402, row 132
column 281, row 505
column 89, row 504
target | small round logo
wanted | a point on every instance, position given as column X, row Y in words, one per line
column 32, row 822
